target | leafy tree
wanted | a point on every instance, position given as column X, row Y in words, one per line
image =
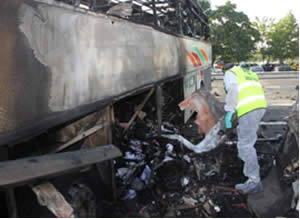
column 283, row 38
column 233, row 36
column 205, row 5
column 264, row 25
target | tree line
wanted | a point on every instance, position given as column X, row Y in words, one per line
column 235, row 38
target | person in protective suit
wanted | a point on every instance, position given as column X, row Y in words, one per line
column 245, row 97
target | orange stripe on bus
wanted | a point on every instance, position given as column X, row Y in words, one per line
column 192, row 59
column 204, row 54
column 197, row 58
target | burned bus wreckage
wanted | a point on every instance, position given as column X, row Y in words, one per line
column 89, row 88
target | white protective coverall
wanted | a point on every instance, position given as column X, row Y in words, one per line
column 246, row 131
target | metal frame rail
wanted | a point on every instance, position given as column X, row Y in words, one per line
column 179, row 17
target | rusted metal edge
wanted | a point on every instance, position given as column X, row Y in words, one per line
column 21, row 171
column 198, row 102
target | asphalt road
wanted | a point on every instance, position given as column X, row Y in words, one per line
column 279, row 91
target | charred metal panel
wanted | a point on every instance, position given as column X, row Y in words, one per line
column 24, row 81
column 22, row 171
column 58, row 62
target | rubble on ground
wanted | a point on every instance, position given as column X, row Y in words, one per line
column 159, row 177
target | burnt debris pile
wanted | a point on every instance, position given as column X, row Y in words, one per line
column 159, row 177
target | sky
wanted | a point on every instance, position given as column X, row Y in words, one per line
column 269, row 8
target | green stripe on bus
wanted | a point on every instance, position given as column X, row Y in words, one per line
column 199, row 54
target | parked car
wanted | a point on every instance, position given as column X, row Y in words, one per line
column 268, row 67
column 294, row 66
column 244, row 65
column 219, row 64
column 283, row 68
column 253, row 64
column 257, row 69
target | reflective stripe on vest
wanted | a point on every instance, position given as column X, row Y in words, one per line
column 251, row 94
column 250, row 99
column 249, row 84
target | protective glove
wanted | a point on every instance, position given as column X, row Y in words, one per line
column 228, row 117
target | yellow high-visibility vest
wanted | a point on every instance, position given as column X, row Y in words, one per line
column 251, row 93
